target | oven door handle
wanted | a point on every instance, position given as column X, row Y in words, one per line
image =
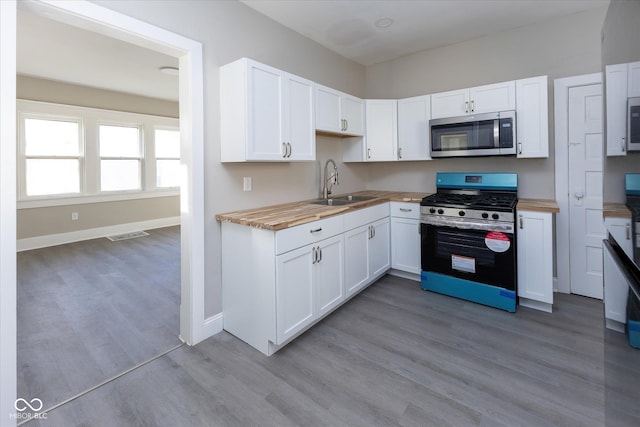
column 469, row 225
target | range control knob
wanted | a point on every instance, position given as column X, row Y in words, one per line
column 495, row 216
column 432, row 210
column 440, row 211
column 485, row 215
column 461, row 213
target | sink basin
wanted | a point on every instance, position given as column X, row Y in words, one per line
column 342, row 200
column 331, row 202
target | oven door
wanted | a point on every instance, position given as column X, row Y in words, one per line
column 482, row 256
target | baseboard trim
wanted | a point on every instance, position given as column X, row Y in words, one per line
column 404, row 274
column 212, row 325
column 92, row 233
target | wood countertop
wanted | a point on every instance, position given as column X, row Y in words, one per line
column 287, row 215
column 538, row 205
column 619, row 210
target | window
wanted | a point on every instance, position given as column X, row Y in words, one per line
column 167, row 149
column 52, row 149
column 120, row 158
column 69, row 154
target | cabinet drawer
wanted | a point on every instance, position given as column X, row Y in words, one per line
column 405, row 210
column 365, row 216
column 301, row 235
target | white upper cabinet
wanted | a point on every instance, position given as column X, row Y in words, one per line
column 382, row 129
column 623, row 82
column 265, row 114
column 532, row 117
column 450, row 104
column 475, row 100
column 633, row 80
column 338, row 112
column 413, row 128
column 616, row 100
column 493, row 97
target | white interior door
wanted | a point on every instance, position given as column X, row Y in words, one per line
column 586, row 229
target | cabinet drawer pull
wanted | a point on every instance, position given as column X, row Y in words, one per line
column 405, row 210
column 315, row 230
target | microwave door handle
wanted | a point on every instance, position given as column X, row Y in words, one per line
column 496, row 133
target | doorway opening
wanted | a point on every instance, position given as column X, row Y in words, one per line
column 193, row 325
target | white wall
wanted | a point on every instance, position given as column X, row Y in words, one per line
column 562, row 47
column 230, row 30
column 621, row 44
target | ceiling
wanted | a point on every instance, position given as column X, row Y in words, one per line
column 349, row 27
column 54, row 50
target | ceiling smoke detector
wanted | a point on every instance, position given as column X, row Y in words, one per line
column 384, row 22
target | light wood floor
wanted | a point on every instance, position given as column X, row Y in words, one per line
column 394, row 355
column 90, row 310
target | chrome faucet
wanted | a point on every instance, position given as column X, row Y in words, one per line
column 327, row 183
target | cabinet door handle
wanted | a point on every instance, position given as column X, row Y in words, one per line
column 624, row 144
column 473, row 106
column 519, row 147
column 521, row 222
column 399, row 152
column 466, row 106
column 316, row 230
column 346, row 124
column 368, row 153
column 314, row 255
column 628, row 229
column 290, row 149
column 284, row 146
column 405, row 210
column 419, row 229
column 319, row 254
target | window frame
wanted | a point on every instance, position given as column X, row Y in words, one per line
column 141, row 158
column 23, row 116
column 90, row 163
column 156, row 157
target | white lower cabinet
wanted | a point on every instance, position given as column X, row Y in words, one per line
column 620, row 229
column 276, row 284
column 616, row 291
column 366, row 247
column 405, row 237
column 309, row 284
column 535, row 259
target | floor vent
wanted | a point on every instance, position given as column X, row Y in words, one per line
column 126, row 236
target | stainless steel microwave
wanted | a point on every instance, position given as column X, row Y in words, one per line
column 633, row 124
column 489, row 134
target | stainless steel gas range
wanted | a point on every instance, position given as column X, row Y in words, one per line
column 468, row 238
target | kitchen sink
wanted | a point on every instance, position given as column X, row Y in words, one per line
column 342, row 200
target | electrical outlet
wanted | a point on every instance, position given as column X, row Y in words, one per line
column 246, row 183
column 74, row 216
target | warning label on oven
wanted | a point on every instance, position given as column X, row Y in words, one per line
column 463, row 263
column 497, row 241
